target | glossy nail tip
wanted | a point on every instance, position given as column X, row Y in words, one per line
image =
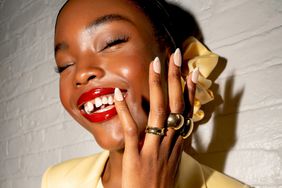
column 177, row 57
column 157, row 65
column 195, row 75
column 118, row 95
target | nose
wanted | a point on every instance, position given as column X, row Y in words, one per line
column 86, row 74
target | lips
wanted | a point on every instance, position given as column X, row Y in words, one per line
column 97, row 105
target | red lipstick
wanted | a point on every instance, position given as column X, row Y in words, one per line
column 99, row 115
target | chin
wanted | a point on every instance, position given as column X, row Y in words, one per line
column 111, row 144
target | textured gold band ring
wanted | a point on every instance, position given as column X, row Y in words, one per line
column 155, row 130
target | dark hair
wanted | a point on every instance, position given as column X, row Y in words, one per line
column 160, row 18
column 172, row 25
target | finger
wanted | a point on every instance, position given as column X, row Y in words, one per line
column 128, row 124
column 176, row 153
column 190, row 91
column 157, row 106
column 176, row 101
column 167, row 144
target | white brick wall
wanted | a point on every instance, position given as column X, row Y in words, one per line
column 245, row 133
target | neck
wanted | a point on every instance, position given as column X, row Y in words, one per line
column 111, row 176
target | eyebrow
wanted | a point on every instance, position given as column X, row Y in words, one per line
column 61, row 46
column 107, row 19
column 97, row 22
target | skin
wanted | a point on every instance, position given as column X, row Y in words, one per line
column 82, row 48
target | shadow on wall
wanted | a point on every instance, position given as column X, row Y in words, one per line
column 225, row 121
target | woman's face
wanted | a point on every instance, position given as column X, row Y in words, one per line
column 101, row 45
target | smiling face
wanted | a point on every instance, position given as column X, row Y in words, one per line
column 101, row 45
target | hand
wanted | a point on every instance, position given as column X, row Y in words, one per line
column 156, row 164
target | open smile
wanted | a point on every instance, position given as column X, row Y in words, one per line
column 97, row 105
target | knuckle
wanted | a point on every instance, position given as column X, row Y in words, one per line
column 191, row 87
column 122, row 107
column 151, row 161
column 159, row 112
column 175, row 74
column 131, row 131
column 156, row 81
column 177, row 106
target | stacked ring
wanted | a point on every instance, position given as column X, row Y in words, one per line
column 187, row 129
column 180, row 124
column 175, row 121
column 155, row 130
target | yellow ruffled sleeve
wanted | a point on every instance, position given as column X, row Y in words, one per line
column 197, row 55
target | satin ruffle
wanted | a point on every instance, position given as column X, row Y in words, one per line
column 197, row 55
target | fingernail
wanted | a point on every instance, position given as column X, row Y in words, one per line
column 195, row 75
column 157, row 65
column 118, row 95
column 177, row 57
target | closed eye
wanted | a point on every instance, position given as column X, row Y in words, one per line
column 116, row 41
column 60, row 69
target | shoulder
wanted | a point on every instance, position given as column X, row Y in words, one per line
column 75, row 172
column 219, row 180
column 195, row 174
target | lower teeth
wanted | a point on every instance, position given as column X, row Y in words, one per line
column 102, row 108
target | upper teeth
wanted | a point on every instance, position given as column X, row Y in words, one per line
column 98, row 102
column 110, row 100
column 88, row 107
column 104, row 100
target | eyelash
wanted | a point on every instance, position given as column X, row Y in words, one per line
column 115, row 41
column 59, row 70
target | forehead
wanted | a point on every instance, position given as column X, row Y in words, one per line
column 80, row 13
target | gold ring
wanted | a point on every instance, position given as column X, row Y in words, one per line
column 175, row 121
column 155, row 130
column 187, row 129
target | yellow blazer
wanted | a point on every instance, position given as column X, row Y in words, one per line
column 86, row 172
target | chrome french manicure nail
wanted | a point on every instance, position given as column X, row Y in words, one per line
column 118, row 95
column 195, row 75
column 157, row 65
column 177, row 57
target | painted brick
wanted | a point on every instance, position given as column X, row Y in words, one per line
column 244, row 58
column 43, row 117
column 11, row 167
column 36, row 10
column 62, row 134
column 243, row 138
column 28, row 81
column 6, row 183
column 44, row 160
column 239, row 131
column 256, row 170
column 8, row 7
column 26, row 182
column 46, row 95
column 8, row 48
column 246, row 90
column 15, row 67
column 9, row 128
column 16, row 146
column 2, row 150
column 4, row 35
column 84, row 148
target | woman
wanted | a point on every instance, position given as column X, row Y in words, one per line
column 120, row 78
